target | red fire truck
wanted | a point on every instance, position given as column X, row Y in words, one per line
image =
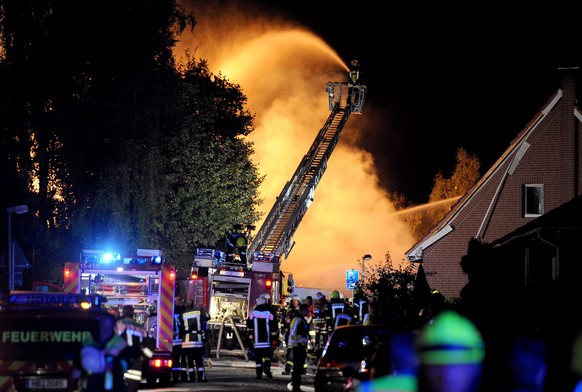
column 141, row 280
column 232, row 280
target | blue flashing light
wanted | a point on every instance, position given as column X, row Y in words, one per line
column 109, row 257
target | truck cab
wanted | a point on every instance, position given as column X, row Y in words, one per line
column 42, row 334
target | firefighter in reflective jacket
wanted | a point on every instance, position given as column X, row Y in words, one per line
column 291, row 311
column 262, row 331
column 319, row 321
column 177, row 339
column 194, row 322
column 137, row 342
column 101, row 366
column 338, row 312
column 298, row 338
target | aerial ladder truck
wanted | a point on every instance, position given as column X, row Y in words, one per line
column 231, row 288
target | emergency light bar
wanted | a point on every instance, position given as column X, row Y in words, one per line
column 155, row 255
column 56, row 299
column 142, row 257
column 99, row 256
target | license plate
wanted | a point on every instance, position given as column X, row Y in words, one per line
column 47, row 383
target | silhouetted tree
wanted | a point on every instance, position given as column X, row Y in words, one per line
column 212, row 181
column 107, row 141
column 465, row 175
column 392, row 292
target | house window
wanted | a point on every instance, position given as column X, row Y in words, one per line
column 533, row 197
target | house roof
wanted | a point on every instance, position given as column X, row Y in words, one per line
column 514, row 152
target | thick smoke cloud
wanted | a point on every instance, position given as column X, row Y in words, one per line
column 282, row 68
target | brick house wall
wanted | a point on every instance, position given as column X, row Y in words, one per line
column 547, row 151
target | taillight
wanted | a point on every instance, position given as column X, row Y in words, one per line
column 329, row 364
column 159, row 363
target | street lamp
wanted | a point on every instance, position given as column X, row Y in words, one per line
column 364, row 259
column 21, row 209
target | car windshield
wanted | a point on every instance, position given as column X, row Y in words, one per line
column 353, row 343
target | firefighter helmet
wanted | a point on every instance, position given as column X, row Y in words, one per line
column 335, row 294
column 296, row 298
column 451, row 339
column 261, row 300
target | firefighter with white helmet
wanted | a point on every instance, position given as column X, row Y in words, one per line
column 274, row 334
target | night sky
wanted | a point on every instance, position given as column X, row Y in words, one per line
column 437, row 80
column 441, row 78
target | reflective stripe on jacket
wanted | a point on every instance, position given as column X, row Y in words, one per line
column 193, row 332
column 260, row 323
column 299, row 332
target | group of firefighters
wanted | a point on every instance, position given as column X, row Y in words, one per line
column 304, row 327
column 300, row 324
column 113, row 361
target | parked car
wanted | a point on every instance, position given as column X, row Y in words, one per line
column 396, row 359
column 348, row 345
column 377, row 363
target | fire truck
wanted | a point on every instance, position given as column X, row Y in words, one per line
column 141, row 280
column 232, row 280
column 42, row 335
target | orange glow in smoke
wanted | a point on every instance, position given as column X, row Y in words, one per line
column 283, row 70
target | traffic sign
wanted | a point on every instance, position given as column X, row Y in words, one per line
column 352, row 278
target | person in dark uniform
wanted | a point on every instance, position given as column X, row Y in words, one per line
column 99, row 366
column 274, row 334
column 134, row 335
column 298, row 339
column 193, row 343
column 353, row 80
column 179, row 309
column 260, row 325
column 338, row 312
column 291, row 311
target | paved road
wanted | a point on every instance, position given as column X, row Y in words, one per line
column 231, row 372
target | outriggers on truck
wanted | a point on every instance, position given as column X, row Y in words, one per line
column 142, row 280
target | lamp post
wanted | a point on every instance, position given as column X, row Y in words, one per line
column 21, row 209
column 365, row 258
